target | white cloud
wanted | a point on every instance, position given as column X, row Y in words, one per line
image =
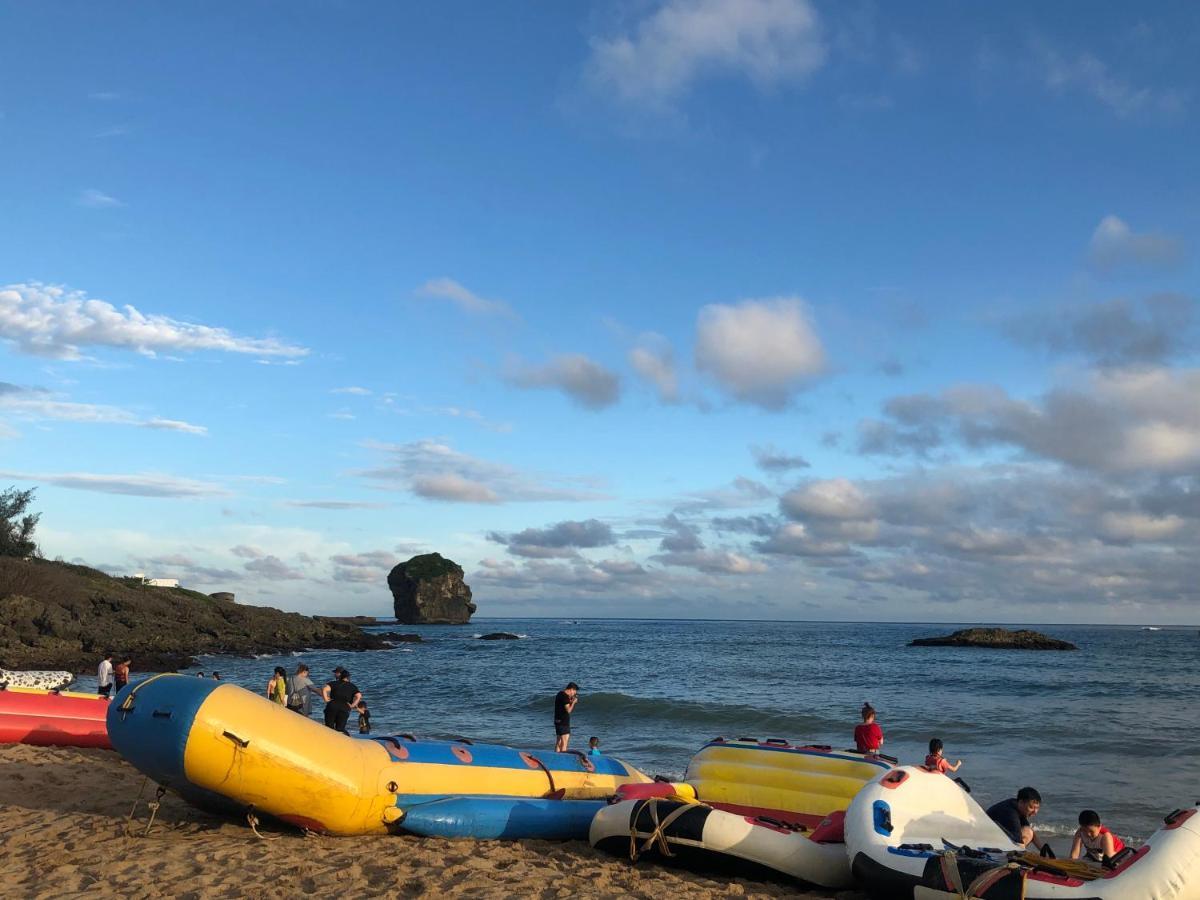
column 140, row 485
column 98, row 199
column 436, row 471
column 1085, row 73
column 586, row 383
column 46, row 320
column 334, row 505
column 354, row 389
column 759, row 351
column 836, row 498
column 1115, row 244
column 769, row 42
column 1128, row 527
column 654, row 360
column 467, row 301
column 174, row 425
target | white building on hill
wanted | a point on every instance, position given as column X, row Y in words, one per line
column 156, row 582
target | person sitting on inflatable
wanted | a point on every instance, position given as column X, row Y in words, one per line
column 1014, row 814
column 868, row 737
column 935, row 762
column 1093, row 841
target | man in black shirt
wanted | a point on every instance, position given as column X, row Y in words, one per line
column 339, row 696
column 564, row 703
column 1014, row 814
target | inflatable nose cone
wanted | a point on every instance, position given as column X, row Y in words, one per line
column 149, row 722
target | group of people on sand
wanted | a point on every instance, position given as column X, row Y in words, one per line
column 1092, row 840
column 112, row 676
column 341, row 696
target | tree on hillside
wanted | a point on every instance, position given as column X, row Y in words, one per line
column 16, row 525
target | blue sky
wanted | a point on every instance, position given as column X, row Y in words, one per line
column 736, row 308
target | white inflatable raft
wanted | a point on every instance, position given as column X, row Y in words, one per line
column 901, row 820
column 39, row 680
column 698, row 836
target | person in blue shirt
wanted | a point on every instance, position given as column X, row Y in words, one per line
column 593, row 746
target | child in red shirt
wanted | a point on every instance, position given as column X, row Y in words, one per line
column 935, row 762
column 868, row 737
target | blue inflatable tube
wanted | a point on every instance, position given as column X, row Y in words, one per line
column 501, row 818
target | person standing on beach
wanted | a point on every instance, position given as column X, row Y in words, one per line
column 564, row 705
column 868, row 737
column 104, row 675
column 121, row 674
column 277, row 686
column 340, row 696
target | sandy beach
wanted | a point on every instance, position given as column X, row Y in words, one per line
column 63, row 834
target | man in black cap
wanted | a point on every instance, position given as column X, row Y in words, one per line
column 564, row 704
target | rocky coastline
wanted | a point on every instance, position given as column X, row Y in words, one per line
column 56, row 615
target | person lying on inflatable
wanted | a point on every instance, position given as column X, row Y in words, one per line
column 1093, row 841
column 1014, row 816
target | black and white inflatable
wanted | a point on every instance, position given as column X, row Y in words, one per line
column 42, row 681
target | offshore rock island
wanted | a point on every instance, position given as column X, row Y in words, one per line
column 996, row 639
column 429, row 590
column 56, row 615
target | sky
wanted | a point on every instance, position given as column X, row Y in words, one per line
column 768, row 309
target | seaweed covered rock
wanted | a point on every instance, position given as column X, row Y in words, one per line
column 57, row 615
column 995, row 639
column 429, row 590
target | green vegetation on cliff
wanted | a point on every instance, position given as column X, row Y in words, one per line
column 55, row 615
column 430, row 565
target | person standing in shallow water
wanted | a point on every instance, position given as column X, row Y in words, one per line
column 868, row 737
column 340, row 696
column 277, row 686
column 104, row 676
column 121, row 674
column 564, row 705
column 301, row 690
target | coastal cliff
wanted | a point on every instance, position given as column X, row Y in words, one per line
column 57, row 615
column 429, row 590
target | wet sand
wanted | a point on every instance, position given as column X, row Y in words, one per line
column 63, row 835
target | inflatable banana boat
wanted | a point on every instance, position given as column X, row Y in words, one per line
column 52, row 718
column 221, row 747
column 501, row 818
column 40, row 680
column 699, row 836
column 799, row 784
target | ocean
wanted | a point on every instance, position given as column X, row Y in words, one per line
column 1110, row 727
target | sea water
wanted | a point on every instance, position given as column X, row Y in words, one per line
column 1109, row 727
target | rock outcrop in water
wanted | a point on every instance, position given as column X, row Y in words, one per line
column 429, row 590
column 500, row 636
column 56, row 615
column 995, row 639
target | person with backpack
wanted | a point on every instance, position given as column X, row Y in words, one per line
column 300, row 690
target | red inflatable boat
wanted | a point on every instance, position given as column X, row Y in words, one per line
column 53, row 718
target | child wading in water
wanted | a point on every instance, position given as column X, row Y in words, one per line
column 1093, row 841
column 594, row 746
column 868, row 737
column 364, row 717
column 938, row 763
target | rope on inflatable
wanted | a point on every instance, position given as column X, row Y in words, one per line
column 658, row 834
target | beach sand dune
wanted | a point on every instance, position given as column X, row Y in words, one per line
column 63, row 835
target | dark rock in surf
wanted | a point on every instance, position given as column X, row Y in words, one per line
column 396, row 637
column 429, row 590
column 995, row 639
column 500, row 636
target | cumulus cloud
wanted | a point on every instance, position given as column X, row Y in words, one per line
column 563, row 539
column 174, row 425
column 451, row 291
column 95, row 199
column 141, row 485
column 247, row 551
column 1114, row 245
column 1124, row 420
column 274, row 569
column 45, row 320
column 681, row 537
column 771, row 459
column 654, row 361
column 363, row 568
column 835, row 498
column 759, row 351
column 586, row 383
column 714, row 562
column 1114, row 333
column 656, row 62
column 436, row 471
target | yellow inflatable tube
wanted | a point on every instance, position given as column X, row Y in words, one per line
column 221, row 746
